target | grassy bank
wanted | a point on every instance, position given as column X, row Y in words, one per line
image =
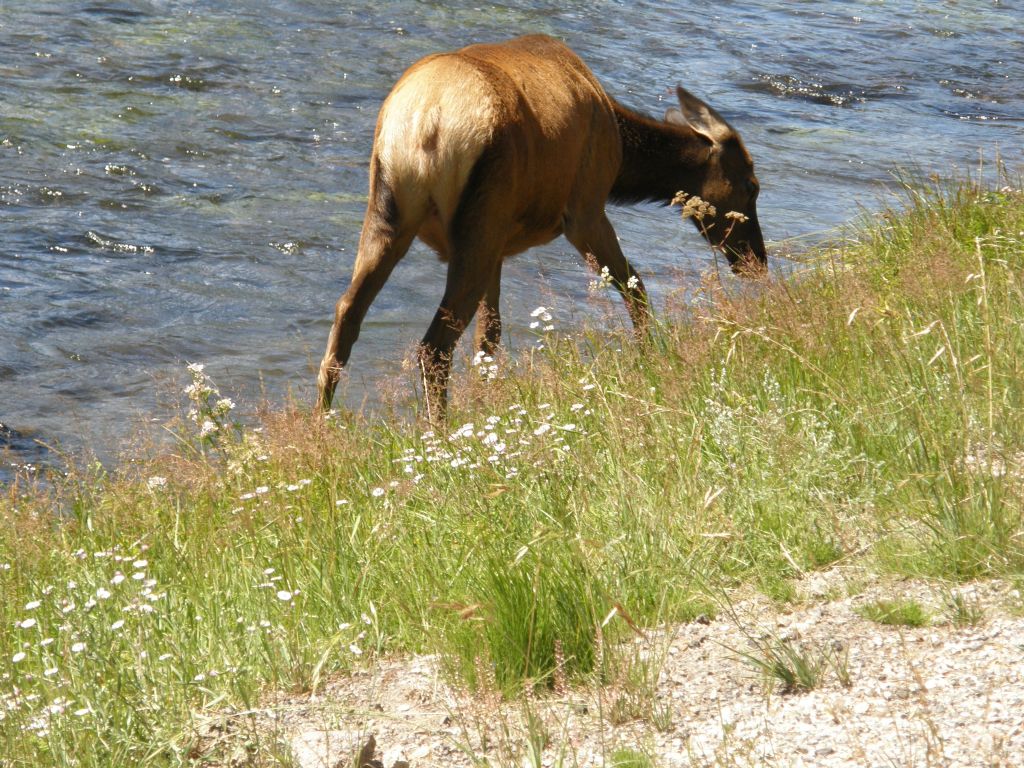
column 869, row 410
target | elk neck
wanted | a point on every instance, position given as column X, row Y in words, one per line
column 658, row 159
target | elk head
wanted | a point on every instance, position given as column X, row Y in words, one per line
column 727, row 183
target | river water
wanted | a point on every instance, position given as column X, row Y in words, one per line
column 185, row 181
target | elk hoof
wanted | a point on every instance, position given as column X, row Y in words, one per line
column 327, row 382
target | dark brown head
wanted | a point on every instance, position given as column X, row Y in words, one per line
column 728, row 184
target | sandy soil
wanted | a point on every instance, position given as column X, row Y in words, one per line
column 939, row 695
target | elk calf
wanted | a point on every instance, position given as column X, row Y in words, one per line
column 487, row 151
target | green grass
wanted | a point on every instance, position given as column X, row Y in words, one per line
column 794, row 667
column 896, row 613
column 630, row 758
column 962, row 610
column 869, row 409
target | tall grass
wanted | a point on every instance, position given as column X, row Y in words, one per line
column 868, row 409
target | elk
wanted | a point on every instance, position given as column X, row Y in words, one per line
column 489, row 150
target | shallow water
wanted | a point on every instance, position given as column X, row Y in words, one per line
column 184, row 181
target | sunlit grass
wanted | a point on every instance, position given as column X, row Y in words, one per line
column 896, row 613
column 869, row 410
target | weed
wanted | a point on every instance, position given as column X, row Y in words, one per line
column 901, row 613
column 629, row 676
column 963, row 609
column 630, row 758
column 795, row 667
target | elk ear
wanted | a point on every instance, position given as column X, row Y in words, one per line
column 675, row 117
column 699, row 116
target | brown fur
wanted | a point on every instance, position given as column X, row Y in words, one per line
column 487, row 151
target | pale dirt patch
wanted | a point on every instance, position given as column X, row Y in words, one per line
column 935, row 696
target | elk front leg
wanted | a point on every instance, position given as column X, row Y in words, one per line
column 594, row 237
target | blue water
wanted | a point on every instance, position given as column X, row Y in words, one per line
column 184, row 181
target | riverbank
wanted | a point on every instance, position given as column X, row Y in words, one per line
column 865, row 415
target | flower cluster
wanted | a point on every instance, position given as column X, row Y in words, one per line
column 781, row 447
column 693, row 206
column 208, row 410
column 501, row 445
column 69, row 628
column 540, row 316
column 485, row 366
column 542, row 321
column 605, row 281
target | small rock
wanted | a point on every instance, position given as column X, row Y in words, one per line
column 365, row 758
column 420, row 752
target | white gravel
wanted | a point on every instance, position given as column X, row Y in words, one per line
column 935, row 696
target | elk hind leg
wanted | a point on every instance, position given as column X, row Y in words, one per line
column 488, row 318
column 469, row 275
column 477, row 235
